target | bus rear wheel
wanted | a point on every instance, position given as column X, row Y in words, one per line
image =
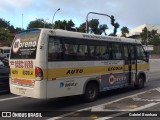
column 91, row 92
column 140, row 82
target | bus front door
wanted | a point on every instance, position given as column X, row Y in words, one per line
column 130, row 63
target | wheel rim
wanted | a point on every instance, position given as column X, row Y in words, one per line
column 141, row 82
column 91, row 93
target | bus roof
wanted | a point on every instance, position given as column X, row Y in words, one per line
column 65, row 33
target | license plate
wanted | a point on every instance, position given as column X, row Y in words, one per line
column 21, row 91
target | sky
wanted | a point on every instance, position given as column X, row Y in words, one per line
column 129, row 13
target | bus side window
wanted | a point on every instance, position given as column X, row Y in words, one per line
column 54, row 49
column 82, row 52
column 70, row 51
column 125, row 49
column 116, row 51
column 92, row 52
column 102, row 53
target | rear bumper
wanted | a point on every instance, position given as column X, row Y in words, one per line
column 38, row 91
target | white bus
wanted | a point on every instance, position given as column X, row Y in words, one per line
column 50, row 63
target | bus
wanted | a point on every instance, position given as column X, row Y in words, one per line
column 52, row 63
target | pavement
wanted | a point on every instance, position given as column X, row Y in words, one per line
column 154, row 65
column 144, row 104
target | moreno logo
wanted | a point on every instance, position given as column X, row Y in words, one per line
column 114, row 68
column 25, row 44
column 74, row 71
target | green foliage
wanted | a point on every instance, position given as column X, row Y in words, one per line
column 144, row 36
column 4, row 23
column 124, row 31
column 150, row 37
column 116, row 26
column 103, row 29
column 82, row 28
column 7, row 32
column 39, row 23
column 94, row 27
column 65, row 25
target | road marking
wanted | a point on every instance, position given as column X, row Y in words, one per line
column 99, row 108
column 11, row 98
column 61, row 116
column 125, row 112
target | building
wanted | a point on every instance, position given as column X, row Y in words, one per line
column 135, row 32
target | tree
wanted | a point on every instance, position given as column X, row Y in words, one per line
column 39, row 23
column 7, row 32
column 65, row 25
column 70, row 24
column 103, row 29
column 144, row 36
column 82, row 28
column 116, row 26
column 150, row 37
column 59, row 24
column 124, row 31
column 94, row 27
column 4, row 23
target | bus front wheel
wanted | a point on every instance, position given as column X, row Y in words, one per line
column 91, row 92
column 140, row 82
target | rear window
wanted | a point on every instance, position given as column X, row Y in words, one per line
column 24, row 45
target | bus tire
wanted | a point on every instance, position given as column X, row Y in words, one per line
column 91, row 92
column 140, row 82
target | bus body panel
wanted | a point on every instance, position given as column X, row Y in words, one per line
column 69, row 78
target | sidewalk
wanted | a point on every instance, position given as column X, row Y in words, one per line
column 154, row 60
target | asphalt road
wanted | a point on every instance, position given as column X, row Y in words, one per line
column 51, row 107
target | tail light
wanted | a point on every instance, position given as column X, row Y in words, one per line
column 39, row 73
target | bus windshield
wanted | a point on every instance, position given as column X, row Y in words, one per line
column 24, row 45
column 6, row 50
